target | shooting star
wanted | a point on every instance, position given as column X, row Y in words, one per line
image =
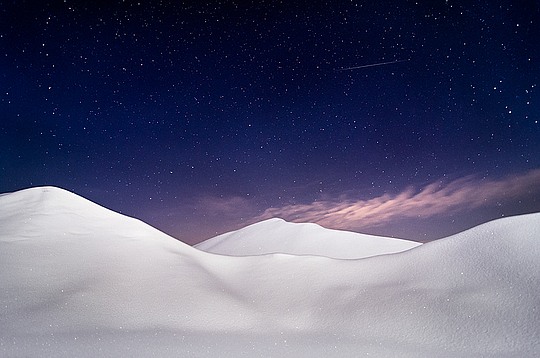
column 370, row 65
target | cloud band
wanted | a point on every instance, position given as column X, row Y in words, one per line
column 433, row 200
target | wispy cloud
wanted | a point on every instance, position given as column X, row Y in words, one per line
column 436, row 199
column 224, row 206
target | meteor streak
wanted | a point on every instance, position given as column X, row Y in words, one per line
column 370, row 65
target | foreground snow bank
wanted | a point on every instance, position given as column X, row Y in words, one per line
column 80, row 280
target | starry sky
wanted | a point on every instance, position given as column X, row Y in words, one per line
column 412, row 119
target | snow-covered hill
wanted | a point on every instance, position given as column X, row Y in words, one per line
column 79, row 280
column 279, row 236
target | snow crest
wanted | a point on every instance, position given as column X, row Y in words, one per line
column 278, row 236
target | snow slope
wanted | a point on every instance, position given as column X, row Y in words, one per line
column 79, row 280
column 279, row 236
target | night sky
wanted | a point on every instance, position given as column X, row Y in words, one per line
column 413, row 119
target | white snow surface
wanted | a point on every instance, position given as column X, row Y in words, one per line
column 278, row 236
column 78, row 280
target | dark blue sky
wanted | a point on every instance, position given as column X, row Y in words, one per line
column 202, row 118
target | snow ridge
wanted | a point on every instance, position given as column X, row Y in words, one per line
column 278, row 236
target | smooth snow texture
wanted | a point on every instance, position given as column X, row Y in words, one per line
column 279, row 236
column 79, row 280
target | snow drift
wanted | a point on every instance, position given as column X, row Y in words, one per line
column 279, row 236
column 80, row 280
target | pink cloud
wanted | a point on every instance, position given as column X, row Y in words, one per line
column 433, row 200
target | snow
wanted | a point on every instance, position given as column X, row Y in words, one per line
column 278, row 236
column 80, row 280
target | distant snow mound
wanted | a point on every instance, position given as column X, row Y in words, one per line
column 279, row 236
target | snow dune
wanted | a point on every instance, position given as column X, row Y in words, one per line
column 80, row 280
column 279, row 236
